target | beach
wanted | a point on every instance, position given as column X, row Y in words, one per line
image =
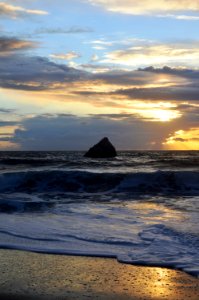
column 27, row 275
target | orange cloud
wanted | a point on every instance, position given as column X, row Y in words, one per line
column 183, row 140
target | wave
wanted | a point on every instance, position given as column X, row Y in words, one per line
column 155, row 245
column 160, row 182
column 125, row 159
column 113, row 163
column 27, row 161
column 12, row 203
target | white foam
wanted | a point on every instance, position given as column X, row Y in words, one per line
column 135, row 232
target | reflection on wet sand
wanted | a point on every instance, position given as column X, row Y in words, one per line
column 27, row 275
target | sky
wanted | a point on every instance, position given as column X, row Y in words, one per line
column 73, row 72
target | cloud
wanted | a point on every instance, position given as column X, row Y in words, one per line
column 168, row 84
column 8, row 10
column 95, row 68
column 186, row 93
column 35, row 73
column 9, row 44
column 8, row 123
column 23, row 72
column 120, row 116
column 181, row 17
column 130, row 85
column 38, row 73
column 94, row 58
column 149, row 7
column 180, row 72
column 71, row 30
column 156, row 54
column 71, row 132
column 102, row 43
column 66, row 56
column 127, row 98
column 124, row 78
column 183, row 139
column 6, row 110
column 127, row 130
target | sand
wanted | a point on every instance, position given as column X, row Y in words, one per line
column 26, row 275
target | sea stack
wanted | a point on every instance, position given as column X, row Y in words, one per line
column 103, row 149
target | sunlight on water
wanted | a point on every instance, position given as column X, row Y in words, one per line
column 152, row 213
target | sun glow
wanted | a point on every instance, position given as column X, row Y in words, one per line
column 153, row 111
column 160, row 115
column 165, row 115
column 183, row 140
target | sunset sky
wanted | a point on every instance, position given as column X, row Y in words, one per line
column 74, row 71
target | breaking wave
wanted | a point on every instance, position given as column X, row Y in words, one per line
column 159, row 182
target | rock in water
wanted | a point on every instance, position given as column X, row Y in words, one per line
column 103, row 149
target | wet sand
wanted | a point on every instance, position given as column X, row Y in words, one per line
column 26, row 275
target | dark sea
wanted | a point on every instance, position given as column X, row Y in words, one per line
column 140, row 207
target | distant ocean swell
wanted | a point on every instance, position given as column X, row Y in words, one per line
column 161, row 182
column 142, row 159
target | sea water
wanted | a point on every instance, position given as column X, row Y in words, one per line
column 140, row 207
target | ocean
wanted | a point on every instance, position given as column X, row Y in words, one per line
column 141, row 207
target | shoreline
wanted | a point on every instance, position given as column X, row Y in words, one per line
column 29, row 275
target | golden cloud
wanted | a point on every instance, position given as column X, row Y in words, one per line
column 149, row 7
column 66, row 56
column 17, row 11
column 156, row 55
column 183, row 140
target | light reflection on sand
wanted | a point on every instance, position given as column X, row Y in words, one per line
column 41, row 276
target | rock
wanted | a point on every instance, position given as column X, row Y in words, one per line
column 103, row 149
